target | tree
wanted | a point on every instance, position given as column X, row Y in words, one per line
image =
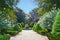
column 47, row 5
column 40, row 11
column 6, row 13
column 33, row 14
column 20, row 15
column 7, row 6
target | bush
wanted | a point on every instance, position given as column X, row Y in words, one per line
column 14, row 29
column 43, row 31
column 5, row 37
column 31, row 24
column 38, row 29
column 46, row 21
column 17, row 27
column 4, row 24
column 56, row 25
column 56, row 28
column 53, row 36
column 12, row 33
column 23, row 24
column 20, row 26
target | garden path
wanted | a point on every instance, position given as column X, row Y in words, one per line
column 28, row 35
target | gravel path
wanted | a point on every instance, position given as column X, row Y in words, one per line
column 28, row 35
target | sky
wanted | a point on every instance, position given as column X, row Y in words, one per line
column 26, row 5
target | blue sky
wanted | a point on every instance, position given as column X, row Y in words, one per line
column 26, row 5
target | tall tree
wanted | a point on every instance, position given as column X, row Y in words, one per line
column 6, row 13
column 7, row 6
column 20, row 15
column 47, row 5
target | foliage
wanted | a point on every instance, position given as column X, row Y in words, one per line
column 14, row 29
column 55, row 33
column 5, row 37
column 4, row 24
column 46, row 21
column 38, row 29
column 56, row 24
column 20, row 15
column 55, row 28
column 33, row 14
column 6, row 13
column 18, row 27
column 40, row 11
column 47, row 5
column 11, row 32
column 44, row 25
column 31, row 25
column 53, row 36
column 7, row 6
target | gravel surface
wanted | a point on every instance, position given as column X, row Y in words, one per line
column 28, row 35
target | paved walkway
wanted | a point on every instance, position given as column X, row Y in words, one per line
column 28, row 35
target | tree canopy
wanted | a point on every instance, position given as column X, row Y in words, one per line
column 6, row 6
column 47, row 5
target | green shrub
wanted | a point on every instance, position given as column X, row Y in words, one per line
column 56, row 28
column 36, row 27
column 43, row 31
column 5, row 37
column 15, row 29
column 1, row 37
column 55, row 34
column 46, row 21
column 31, row 24
column 23, row 24
column 12, row 32
column 56, row 25
column 50, row 36
column 4, row 24
column 20, row 26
